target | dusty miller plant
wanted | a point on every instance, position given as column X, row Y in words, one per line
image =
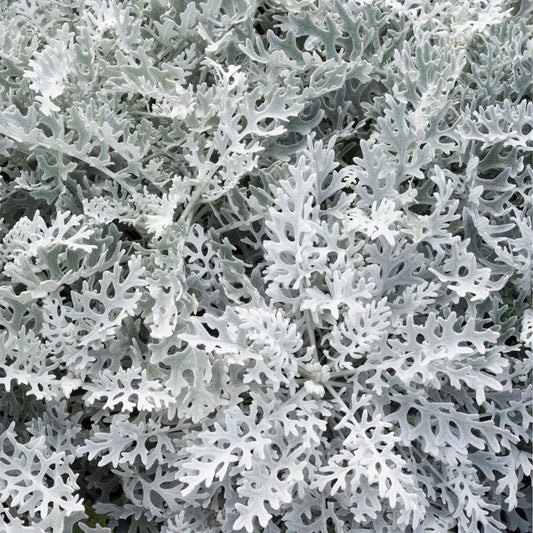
column 265, row 266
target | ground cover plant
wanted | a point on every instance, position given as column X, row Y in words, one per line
column 265, row 266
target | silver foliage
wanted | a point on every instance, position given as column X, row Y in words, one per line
column 265, row 266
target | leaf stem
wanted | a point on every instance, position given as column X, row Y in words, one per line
column 311, row 333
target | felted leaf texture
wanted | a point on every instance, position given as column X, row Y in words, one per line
column 265, row 266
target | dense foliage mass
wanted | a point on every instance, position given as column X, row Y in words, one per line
column 265, row 266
